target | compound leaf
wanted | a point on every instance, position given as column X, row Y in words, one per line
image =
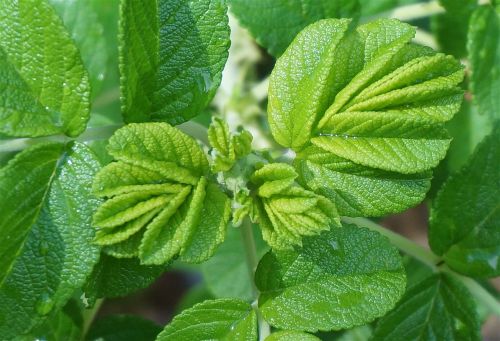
column 372, row 103
column 343, row 278
column 274, row 23
column 439, row 308
column 483, row 46
column 222, row 319
column 157, row 193
column 465, row 217
column 45, row 232
column 44, row 86
column 171, row 57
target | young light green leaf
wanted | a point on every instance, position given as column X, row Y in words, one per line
column 343, row 278
column 288, row 335
column 123, row 328
column 222, row 319
column 227, row 147
column 44, row 85
column 171, row 57
column 113, row 277
column 45, row 232
column 465, row 217
column 157, row 195
column 274, row 23
column 286, row 211
column 439, row 308
column 483, row 46
column 226, row 273
column 374, row 106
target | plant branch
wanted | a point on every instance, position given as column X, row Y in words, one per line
column 430, row 259
column 252, row 262
column 89, row 316
column 410, row 12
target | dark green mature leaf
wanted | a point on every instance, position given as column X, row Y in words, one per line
column 484, row 53
column 344, row 278
column 222, row 319
column 160, row 204
column 274, row 23
column 451, row 27
column 123, row 328
column 114, row 277
column 286, row 211
column 171, row 57
column 226, row 273
column 364, row 107
column 439, row 308
column 465, row 217
column 288, row 335
column 44, row 87
column 45, row 232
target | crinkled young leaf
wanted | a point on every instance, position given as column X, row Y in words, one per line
column 160, row 204
column 373, row 105
column 44, row 87
column 483, row 46
column 343, row 278
column 123, row 328
column 286, row 211
column 274, row 23
column 222, row 319
column 465, row 217
column 439, row 308
column 171, row 57
column 45, row 232
column 227, row 147
column 113, row 277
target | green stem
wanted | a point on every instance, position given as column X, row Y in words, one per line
column 89, row 316
column 428, row 258
column 410, row 12
column 252, row 262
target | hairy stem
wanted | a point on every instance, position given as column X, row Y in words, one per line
column 430, row 259
column 252, row 262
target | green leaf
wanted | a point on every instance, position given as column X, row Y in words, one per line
column 226, row 273
column 289, row 335
column 372, row 103
column 158, row 181
column 123, row 328
column 286, row 211
column 370, row 7
column 45, row 232
column 344, row 278
column 227, row 147
column 222, row 319
column 113, row 277
column 451, row 27
column 274, row 23
column 465, row 217
column 44, row 86
column 483, row 46
column 171, row 57
column 438, row 308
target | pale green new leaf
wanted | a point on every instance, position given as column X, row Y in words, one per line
column 343, row 278
column 439, row 308
column 44, row 87
column 274, row 23
column 160, row 204
column 286, row 211
column 171, row 57
column 45, row 232
column 222, row 319
column 465, row 216
column 373, row 105
column 483, row 47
